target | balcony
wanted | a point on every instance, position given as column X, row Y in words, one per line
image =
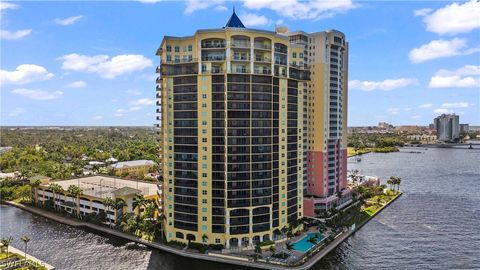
column 280, row 62
column 159, row 88
column 159, row 110
column 240, row 45
column 240, row 70
column 159, row 80
column 157, row 70
column 159, row 94
column 261, row 46
column 240, row 58
column 263, row 59
column 213, row 45
column 213, row 58
column 262, row 71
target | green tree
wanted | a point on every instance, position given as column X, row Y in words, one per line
column 56, row 189
column 289, row 246
column 138, row 201
column 35, row 184
column 75, row 192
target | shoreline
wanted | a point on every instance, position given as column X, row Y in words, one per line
column 206, row 257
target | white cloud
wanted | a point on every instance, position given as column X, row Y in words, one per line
column 426, row 105
column 295, row 9
column 437, row 49
column 24, row 74
column 220, row 8
column 98, row 117
column 393, row 111
column 466, row 76
column 142, row 102
column 7, row 5
column 17, row 111
column 105, row 66
column 195, row 5
column 251, row 19
column 455, row 105
column 77, row 84
column 37, row 94
column 454, row 18
column 442, row 110
column 422, row 12
column 407, row 109
column 68, row 21
column 122, row 112
column 447, row 107
column 8, row 35
column 388, row 84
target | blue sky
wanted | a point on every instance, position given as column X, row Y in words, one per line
column 93, row 63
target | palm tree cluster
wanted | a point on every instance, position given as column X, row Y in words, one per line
column 393, row 182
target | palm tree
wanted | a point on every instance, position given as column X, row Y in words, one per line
column 313, row 240
column 204, row 238
column 6, row 242
column 289, row 245
column 277, row 232
column 398, row 180
column 75, row 192
column 109, row 203
column 25, row 240
column 272, row 249
column 258, row 250
column 119, row 205
column 56, row 189
column 138, row 201
column 391, row 181
column 35, row 184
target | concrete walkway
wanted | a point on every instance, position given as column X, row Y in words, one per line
column 30, row 257
column 239, row 262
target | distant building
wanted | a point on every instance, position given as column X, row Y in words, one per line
column 464, row 128
column 384, row 125
column 448, row 127
column 94, row 190
column 133, row 167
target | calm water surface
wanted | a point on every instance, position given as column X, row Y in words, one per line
column 434, row 225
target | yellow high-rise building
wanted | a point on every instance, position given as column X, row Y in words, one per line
column 231, row 105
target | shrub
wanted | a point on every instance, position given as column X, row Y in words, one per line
column 266, row 243
column 216, row 246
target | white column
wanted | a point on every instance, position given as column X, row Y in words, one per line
column 251, row 220
column 240, row 243
column 227, row 244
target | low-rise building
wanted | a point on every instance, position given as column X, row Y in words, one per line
column 94, row 191
column 133, row 167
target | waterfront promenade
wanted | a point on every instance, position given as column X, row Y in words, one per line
column 214, row 257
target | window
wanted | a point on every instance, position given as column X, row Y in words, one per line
column 204, row 227
column 300, row 55
column 204, row 192
column 204, row 131
column 177, row 58
column 204, row 201
column 184, row 49
column 169, row 48
column 190, row 59
column 177, row 49
column 204, row 157
column 204, row 175
column 294, row 55
column 204, row 184
column 169, row 58
column 217, row 240
column 189, row 48
column 204, row 95
column 204, row 210
column 204, row 140
column 204, row 218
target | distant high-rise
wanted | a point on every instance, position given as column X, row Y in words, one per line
column 448, row 127
column 232, row 134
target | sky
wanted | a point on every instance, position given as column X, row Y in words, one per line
column 93, row 63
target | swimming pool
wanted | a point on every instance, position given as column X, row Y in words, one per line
column 303, row 245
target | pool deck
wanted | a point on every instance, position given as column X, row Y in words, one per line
column 216, row 257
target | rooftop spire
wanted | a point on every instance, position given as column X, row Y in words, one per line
column 234, row 21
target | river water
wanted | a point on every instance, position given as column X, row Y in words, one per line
column 435, row 224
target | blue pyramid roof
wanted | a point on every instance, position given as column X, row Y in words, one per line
column 234, row 21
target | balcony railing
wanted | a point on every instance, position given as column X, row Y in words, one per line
column 240, row 70
column 280, row 62
column 280, row 50
column 240, row 58
column 262, row 71
column 213, row 70
column 213, row 45
column 213, row 58
column 157, row 70
column 159, row 94
column 158, row 80
column 263, row 59
column 262, row 46
column 240, row 45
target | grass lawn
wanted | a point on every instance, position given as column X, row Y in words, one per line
column 3, row 255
